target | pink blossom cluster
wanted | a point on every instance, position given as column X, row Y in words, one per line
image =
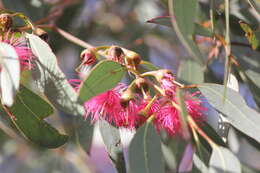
column 165, row 115
column 21, row 47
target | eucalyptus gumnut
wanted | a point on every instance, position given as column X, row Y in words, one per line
column 140, row 83
column 6, row 22
column 132, row 59
column 116, row 54
column 161, row 74
column 126, row 96
column 88, row 56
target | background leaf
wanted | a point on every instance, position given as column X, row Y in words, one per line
column 184, row 13
column 191, row 72
column 234, row 108
column 223, row 161
column 166, row 21
column 145, row 155
column 112, row 141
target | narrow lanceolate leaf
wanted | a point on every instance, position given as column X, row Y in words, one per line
column 227, row 46
column 250, row 35
column 191, row 72
column 166, row 21
column 10, row 73
column 104, row 76
column 51, row 80
column 198, row 165
column 112, row 141
column 234, row 108
column 29, row 122
column 184, row 13
column 223, row 161
column 255, row 4
column 145, row 154
column 184, row 113
column 84, row 132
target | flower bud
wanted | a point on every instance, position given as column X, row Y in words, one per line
column 163, row 73
column 42, row 34
column 132, row 59
column 6, row 22
column 126, row 96
column 116, row 54
column 88, row 57
column 140, row 83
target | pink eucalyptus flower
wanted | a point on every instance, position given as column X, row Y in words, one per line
column 107, row 105
column 167, row 85
column 168, row 117
column 21, row 47
column 194, row 106
column 129, row 116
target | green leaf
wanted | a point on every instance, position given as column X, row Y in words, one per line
column 191, row 72
column 104, row 76
column 112, row 141
column 206, row 128
column 223, row 161
column 252, row 85
column 184, row 114
column 148, row 66
column 250, row 35
column 184, row 13
column 84, row 132
column 51, row 80
column 166, row 21
column 173, row 151
column 198, row 165
column 35, row 103
column 255, row 5
column 202, row 31
column 145, row 155
column 234, row 108
column 29, row 122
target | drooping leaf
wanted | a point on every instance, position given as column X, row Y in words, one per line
column 250, row 35
column 184, row 13
column 104, row 76
column 112, row 141
column 198, row 165
column 255, row 5
column 234, row 108
column 84, row 132
column 191, row 72
column 184, row 114
column 51, row 80
column 29, row 122
column 145, row 155
column 166, row 21
column 10, row 73
column 223, row 161
column 148, row 66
